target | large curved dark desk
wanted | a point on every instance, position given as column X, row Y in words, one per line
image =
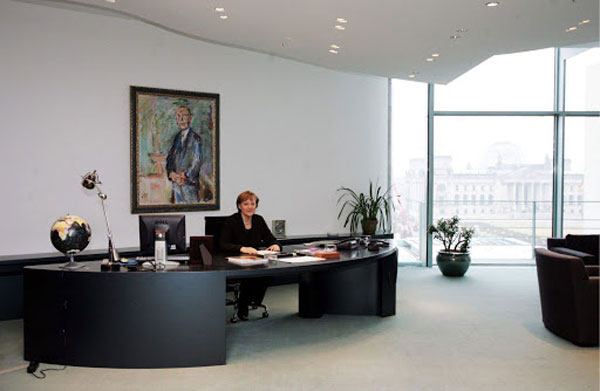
column 176, row 318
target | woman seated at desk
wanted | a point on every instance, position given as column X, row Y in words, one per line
column 245, row 232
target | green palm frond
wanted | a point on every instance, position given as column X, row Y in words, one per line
column 374, row 205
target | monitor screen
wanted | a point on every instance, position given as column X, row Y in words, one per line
column 173, row 224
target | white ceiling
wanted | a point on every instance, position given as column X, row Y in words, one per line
column 389, row 38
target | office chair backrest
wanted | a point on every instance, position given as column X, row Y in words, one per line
column 212, row 226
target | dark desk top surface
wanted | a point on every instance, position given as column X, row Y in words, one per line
column 220, row 264
column 15, row 263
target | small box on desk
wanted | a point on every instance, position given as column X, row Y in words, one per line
column 327, row 254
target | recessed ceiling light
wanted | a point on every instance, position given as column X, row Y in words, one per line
column 584, row 22
column 435, row 55
column 492, row 3
column 111, row 1
column 341, row 20
column 412, row 75
column 429, row 59
column 571, row 29
column 335, row 46
column 223, row 16
column 338, row 27
column 462, row 30
column 220, row 9
column 454, row 36
column 333, row 51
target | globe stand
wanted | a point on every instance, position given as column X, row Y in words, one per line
column 71, row 264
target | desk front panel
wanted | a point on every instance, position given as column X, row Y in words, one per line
column 124, row 320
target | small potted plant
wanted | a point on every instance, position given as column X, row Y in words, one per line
column 370, row 210
column 454, row 259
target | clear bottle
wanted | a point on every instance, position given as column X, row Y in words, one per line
column 160, row 249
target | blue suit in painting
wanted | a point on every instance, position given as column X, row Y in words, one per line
column 186, row 156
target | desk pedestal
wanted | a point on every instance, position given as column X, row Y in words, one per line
column 124, row 320
column 364, row 289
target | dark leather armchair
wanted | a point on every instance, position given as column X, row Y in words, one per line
column 569, row 297
column 586, row 247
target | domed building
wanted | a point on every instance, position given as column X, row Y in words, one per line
column 502, row 154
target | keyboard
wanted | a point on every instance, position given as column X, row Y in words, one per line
column 175, row 257
column 178, row 257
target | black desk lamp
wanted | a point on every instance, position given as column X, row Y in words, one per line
column 90, row 181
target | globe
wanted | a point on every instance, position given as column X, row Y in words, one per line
column 70, row 234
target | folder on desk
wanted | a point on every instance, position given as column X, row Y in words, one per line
column 304, row 259
column 201, row 249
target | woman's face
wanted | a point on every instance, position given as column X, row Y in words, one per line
column 248, row 207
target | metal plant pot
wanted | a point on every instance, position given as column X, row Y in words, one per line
column 369, row 226
column 453, row 264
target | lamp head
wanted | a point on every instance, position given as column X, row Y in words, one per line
column 90, row 180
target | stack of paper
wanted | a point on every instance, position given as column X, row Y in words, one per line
column 266, row 252
column 247, row 260
column 321, row 243
column 301, row 259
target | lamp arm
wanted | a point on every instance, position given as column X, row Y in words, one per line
column 113, row 254
column 108, row 231
column 90, row 181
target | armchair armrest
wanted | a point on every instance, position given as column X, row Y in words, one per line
column 593, row 270
column 587, row 259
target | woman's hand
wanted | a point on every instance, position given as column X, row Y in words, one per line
column 274, row 247
column 248, row 250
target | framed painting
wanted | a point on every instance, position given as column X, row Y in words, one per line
column 174, row 150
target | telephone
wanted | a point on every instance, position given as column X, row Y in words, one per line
column 347, row 244
column 380, row 243
column 354, row 243
column 375, row 245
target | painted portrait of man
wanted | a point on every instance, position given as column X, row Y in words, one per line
column 174, row 150
column 185, row 160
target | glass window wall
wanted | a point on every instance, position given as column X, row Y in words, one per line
column 581, row 207
column 493, row 149
column 582, row 71
column 408, row 166
column 502, row 167
column 521, row 81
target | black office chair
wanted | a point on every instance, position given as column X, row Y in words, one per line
column 213, row 226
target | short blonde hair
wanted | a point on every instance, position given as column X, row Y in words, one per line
column 245, row 195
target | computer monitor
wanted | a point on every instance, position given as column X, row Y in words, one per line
column 174, row 225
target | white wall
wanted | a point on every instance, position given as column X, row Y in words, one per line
column 292, row 133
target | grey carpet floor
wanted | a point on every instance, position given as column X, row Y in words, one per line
column 480, row 332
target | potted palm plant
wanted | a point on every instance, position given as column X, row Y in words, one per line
column 371, row 210
column 454, row 259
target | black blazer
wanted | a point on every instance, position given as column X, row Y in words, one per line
column 234, row 234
